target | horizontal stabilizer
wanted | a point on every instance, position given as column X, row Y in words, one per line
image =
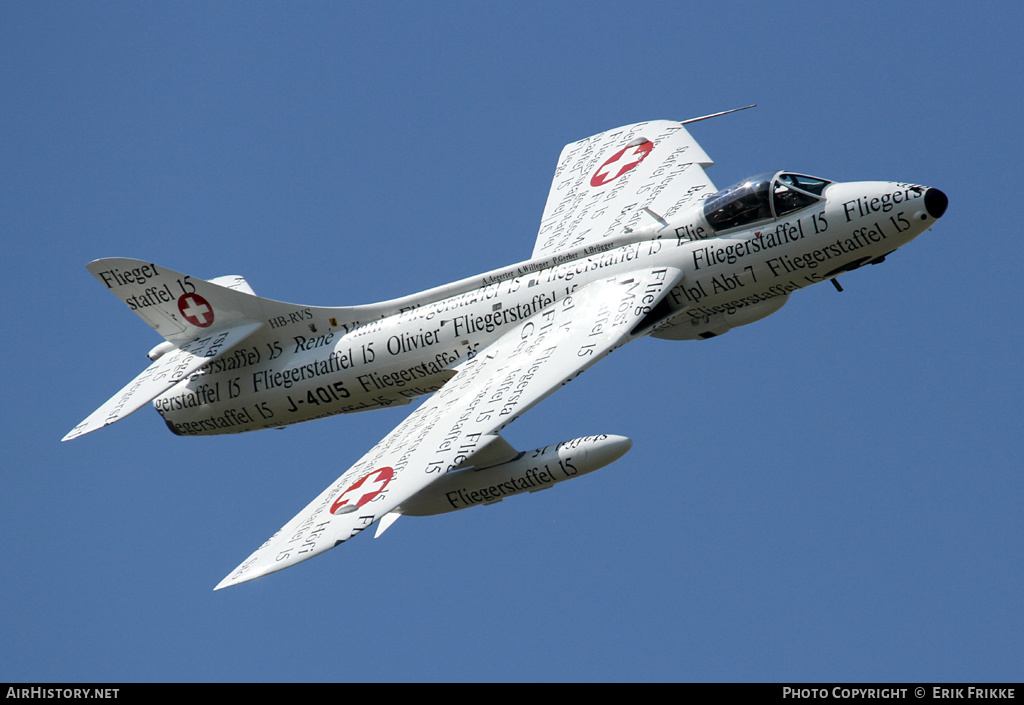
column 167, row 371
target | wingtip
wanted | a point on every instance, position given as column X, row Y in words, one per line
column 250, row 570
column 228, row 581
column 234, row 578
column 79, row 430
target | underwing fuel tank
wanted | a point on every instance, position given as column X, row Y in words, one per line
column 531, row 471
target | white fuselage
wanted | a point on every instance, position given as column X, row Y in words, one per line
column 292, row 373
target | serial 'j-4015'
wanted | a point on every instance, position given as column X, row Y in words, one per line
column 634, row 241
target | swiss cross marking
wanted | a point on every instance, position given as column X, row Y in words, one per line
column 622, row 161
column 364, row 489
column 196, row 310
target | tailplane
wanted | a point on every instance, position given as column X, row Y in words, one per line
column 166, row 371
column 200, row 320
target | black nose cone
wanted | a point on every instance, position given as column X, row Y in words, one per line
column 935, row 202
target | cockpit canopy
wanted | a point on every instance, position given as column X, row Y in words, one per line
column 762, row 197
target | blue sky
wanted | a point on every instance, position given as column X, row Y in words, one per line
column 833, row 493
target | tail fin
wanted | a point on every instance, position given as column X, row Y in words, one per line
column 179, row 307
column 200, row 320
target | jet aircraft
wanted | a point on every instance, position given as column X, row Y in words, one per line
column 634, row 241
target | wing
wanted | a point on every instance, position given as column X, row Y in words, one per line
column 464, row 418
column 603, row 183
